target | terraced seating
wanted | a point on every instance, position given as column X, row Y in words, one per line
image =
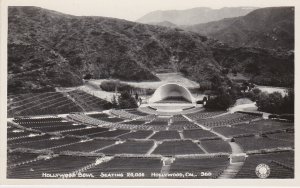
column 124, row 114
column 158, row 123
column 88, row 120
column 281, row 170
column 198, row 134
column 46, row 144
column 88, row 101
column 138, row 125
column 14, row 133
column 182, row 147
column 125, row 165
column 213, row 166
column 142, row 134
column 18, row 158
column 148, row 117
column 31, row 139
column 105, row 117
column 181, row 125
column 45, row 124
column 178, row 118
column 259, row 143
column 234, row 131
column 148, row 110
column 132, row 125
column 163, row 135
column 204, row 114
column 109, row 134
column 136, row 112
column 60, row 128
column 41, row 104
column 216, row 146
column 286, row 136
column 227, row 119
column 266, row 125
column 86, row 145
column 85, row 132
column 128, row 147
column 134, row 122
column 37, row 120
column 61, row 165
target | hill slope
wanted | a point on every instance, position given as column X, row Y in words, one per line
column 194, row 15
column 48, row 49
column 267, row 27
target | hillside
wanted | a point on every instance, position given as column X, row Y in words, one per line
column 164, row 23
column 261, row 66
column 48, row 49
column 267, row 28
column 194, row 16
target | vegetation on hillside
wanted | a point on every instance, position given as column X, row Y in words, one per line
column 47, row 49
column 271, row 27
column 262, row 66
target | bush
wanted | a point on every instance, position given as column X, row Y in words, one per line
column 234, row 72
column 272, row 116
column 222, row 101
column 125, row 100
column 289, row 117
column 88, row 76
column 205, row 85
column 112, row 86
column 276, row 103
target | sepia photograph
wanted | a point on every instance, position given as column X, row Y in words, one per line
column 142, row 90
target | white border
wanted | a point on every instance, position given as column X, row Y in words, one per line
column 143, row 182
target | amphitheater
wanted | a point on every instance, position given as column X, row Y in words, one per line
column 72, row 135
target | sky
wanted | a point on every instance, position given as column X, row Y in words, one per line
column 134, row 9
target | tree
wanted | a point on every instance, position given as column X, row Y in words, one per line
column 252, row 68
column 288, row 102
column 245, row 86
column 234, row 72
column 88, row 76
column 205, row 85
column 271, row 103
column 114, row 102
column 125, row 100
column 216, row 82
column 222, row 101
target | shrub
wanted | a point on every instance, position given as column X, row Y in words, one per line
column 88, row 76
column 222, row 101
column 289, row 117
column 125, row 100
column 276, row 103
column 112, row 86
column 205, row 85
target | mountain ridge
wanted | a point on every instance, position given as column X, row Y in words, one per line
column 194, row 15
column 266, row 27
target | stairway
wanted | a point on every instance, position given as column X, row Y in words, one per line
column 231, row 171
column 166, row 166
